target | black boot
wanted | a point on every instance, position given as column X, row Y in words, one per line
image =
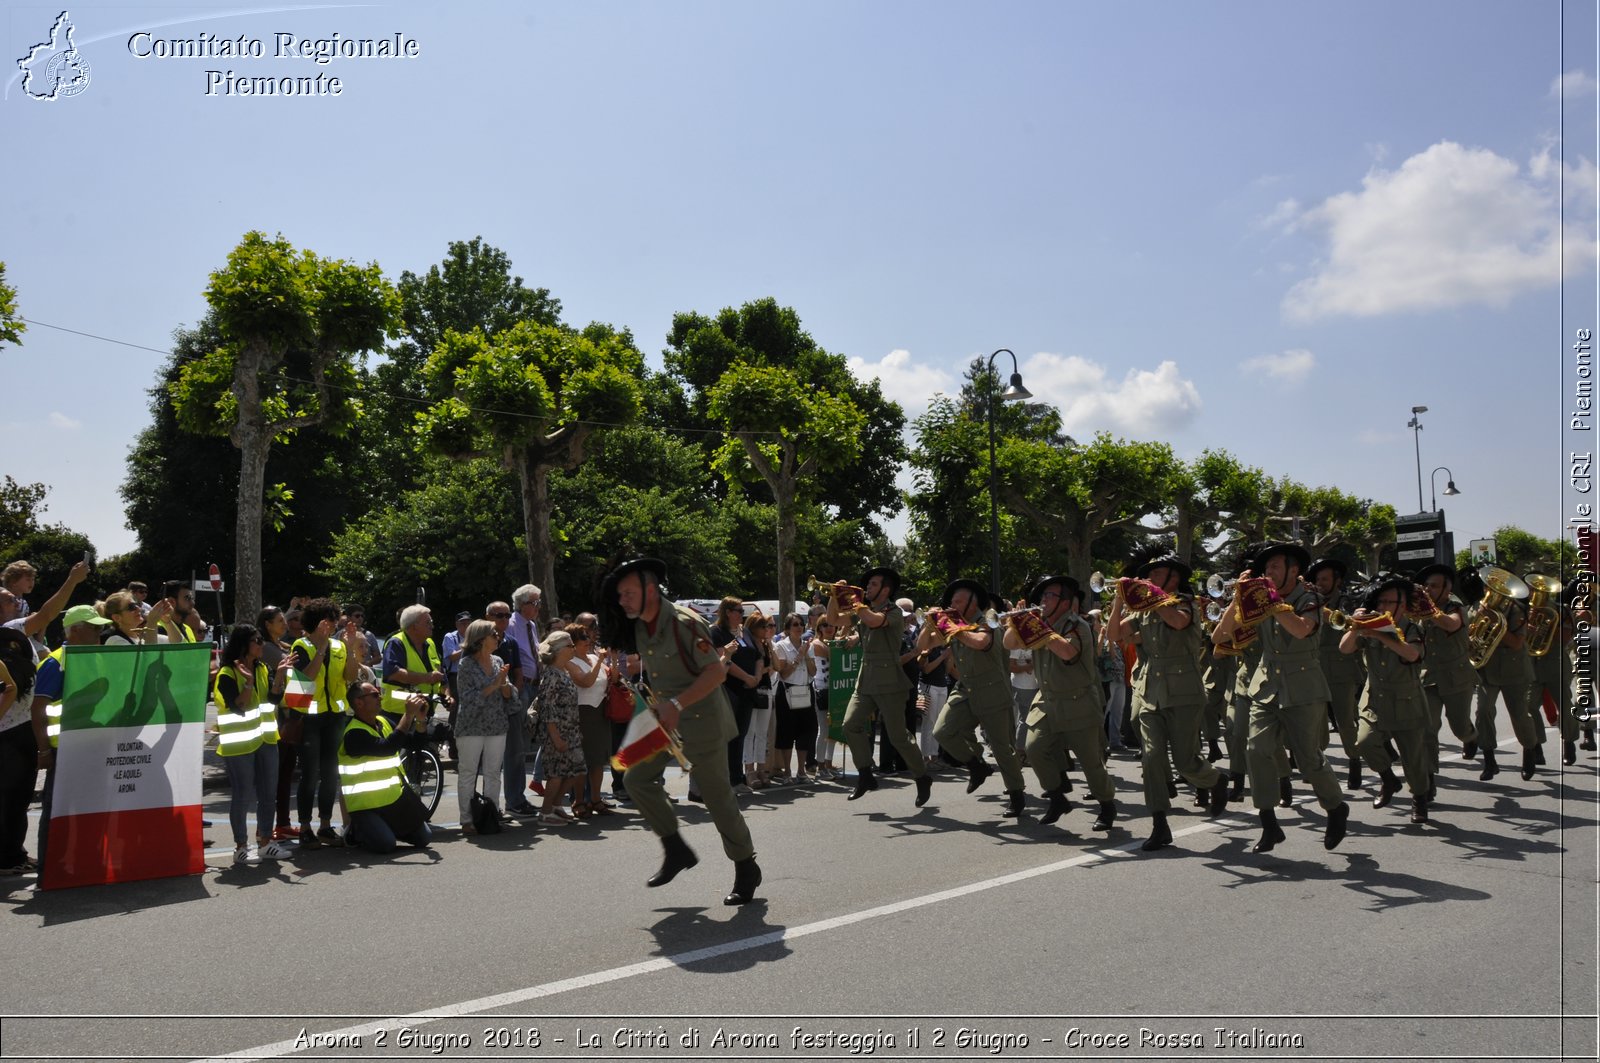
column 1060, row 805
column 1569, row 751
column 1530, row 760
column 977, row 771
column 1354, row 781
column 1271, row 833
column 1433, row 787
column 924, row 788
column 865, row 781
column 1588, row 737
column 1390, row 787
column 1236, row 791
column 746, row 877
column 1202, row 798
column 1160, row 835
column 676, row 856
column 1108, row 813
column 1219, row 796
column 1215, row 753
column 1419, row 810
column 1066, row 783
column 1015, row 799
column 1333, row 834
column 1172, row 789
column 1285, row 793
column 1538, row 754
column 1490, row 768
column 1072, row 765
column 1469, row 749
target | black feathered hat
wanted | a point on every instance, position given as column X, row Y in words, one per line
column 979, row 594
column 616, row 627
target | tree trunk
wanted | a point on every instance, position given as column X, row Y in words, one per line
column 784, row 497
column 534, row 478
column 1080, row 555
column 1183, row 532
column 254, row 445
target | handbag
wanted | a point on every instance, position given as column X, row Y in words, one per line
column 485, row 817
column 619, row 703
column 798, row 695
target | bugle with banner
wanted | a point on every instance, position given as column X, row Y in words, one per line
column 1257, row 599
column 1029, row 624
column 1361, row 620
column 1141, row 596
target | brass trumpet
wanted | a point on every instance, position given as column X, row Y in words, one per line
column 1488, row 627
column 994, row 619
column 1098, row 582
column 1217, row 587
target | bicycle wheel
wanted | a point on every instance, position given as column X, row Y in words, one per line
column 426, row 777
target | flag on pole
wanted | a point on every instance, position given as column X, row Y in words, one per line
column 643, row 739
column 127, row 783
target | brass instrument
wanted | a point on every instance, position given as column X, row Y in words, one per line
column 1217, row 587
column 1544, row 619
column 1098, row 582
column 994, row 619
column 1488, row 627
column 1337, row 619
column 844, row 597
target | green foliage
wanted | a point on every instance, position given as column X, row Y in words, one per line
column 11, row 324
column 1519, row 551
column 20, row 507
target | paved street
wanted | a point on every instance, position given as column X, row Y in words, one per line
column 881, row 929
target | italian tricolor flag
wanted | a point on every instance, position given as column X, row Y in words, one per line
column 127, row 783
column 643, row 739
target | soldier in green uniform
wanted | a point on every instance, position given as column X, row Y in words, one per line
column 1448, row 678
column 1288, row 695
column 881, row 685
column 1171, row 691
column 1068, row 716
column 1552, row 675
column 982, row 697
column 1509, row 670
column 1345, row 672
column 1395, row 706
column 685, row 675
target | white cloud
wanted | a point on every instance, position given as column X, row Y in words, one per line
column 1574, row 85
column 65, row 423
column 1291, row 367
column 1144, row 403
column 1451, row 225
column 912, row 384
column 1285, row 216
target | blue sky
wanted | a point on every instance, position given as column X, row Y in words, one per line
column 1271, row 228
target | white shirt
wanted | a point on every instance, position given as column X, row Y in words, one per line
column 787, row 652
column 1024, row 680
column 595, row 693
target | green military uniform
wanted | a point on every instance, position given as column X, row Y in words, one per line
column 982, row 698
column 1246, row 661
column 881, row 688
column 1395, row 706
column 1508, row 671
column 1448, row 680
column 1174, row 699
column 1069, row 715
column 676, row 651
column 1217, row 674
column 1289, row 706
column 1345, row 673
column 1552, row 673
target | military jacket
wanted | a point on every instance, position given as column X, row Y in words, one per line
column 674, row 655
column 880, row 655
column 1394, row 698
column 1291, row 671
column 1070, row 694
column 1509, row 667
column 1445, row 664
column 1340, row 669
column 985, row 675
column 1172, row 661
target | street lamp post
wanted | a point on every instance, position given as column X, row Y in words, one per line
column 1433, row 485
column 1014, row 392
column 1415, row 424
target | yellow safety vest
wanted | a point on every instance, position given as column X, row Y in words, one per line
column 52, row 710
column 328, row 688
column 245, row 728
column 395, row 694
column 369, row 782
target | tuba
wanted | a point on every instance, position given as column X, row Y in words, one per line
column 1544, row 619
column 1488, row 627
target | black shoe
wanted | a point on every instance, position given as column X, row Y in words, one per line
column 1060, row 805
column 1172, row 789
column 1285, row 793
column 1160, row 837
column 1530, row 760
column 1538, row 754
column 676, row 856
column 1469, row 749
column 696, row 798
column 1588, row 737
column 924, row 788
column 1236, row 791
column 1219, row 796
column 865, row 781
column 1569, row 752
column 1334, row 833
column 1215, row 754
column 1419, row 810
column 746, row 877
column 1354, row 781
column 978, row 771
column 1014, row 802
column 1202, row 798
column 1271, row 833
column 1391, row 786
column 1490, row 768
column 1108, row 813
